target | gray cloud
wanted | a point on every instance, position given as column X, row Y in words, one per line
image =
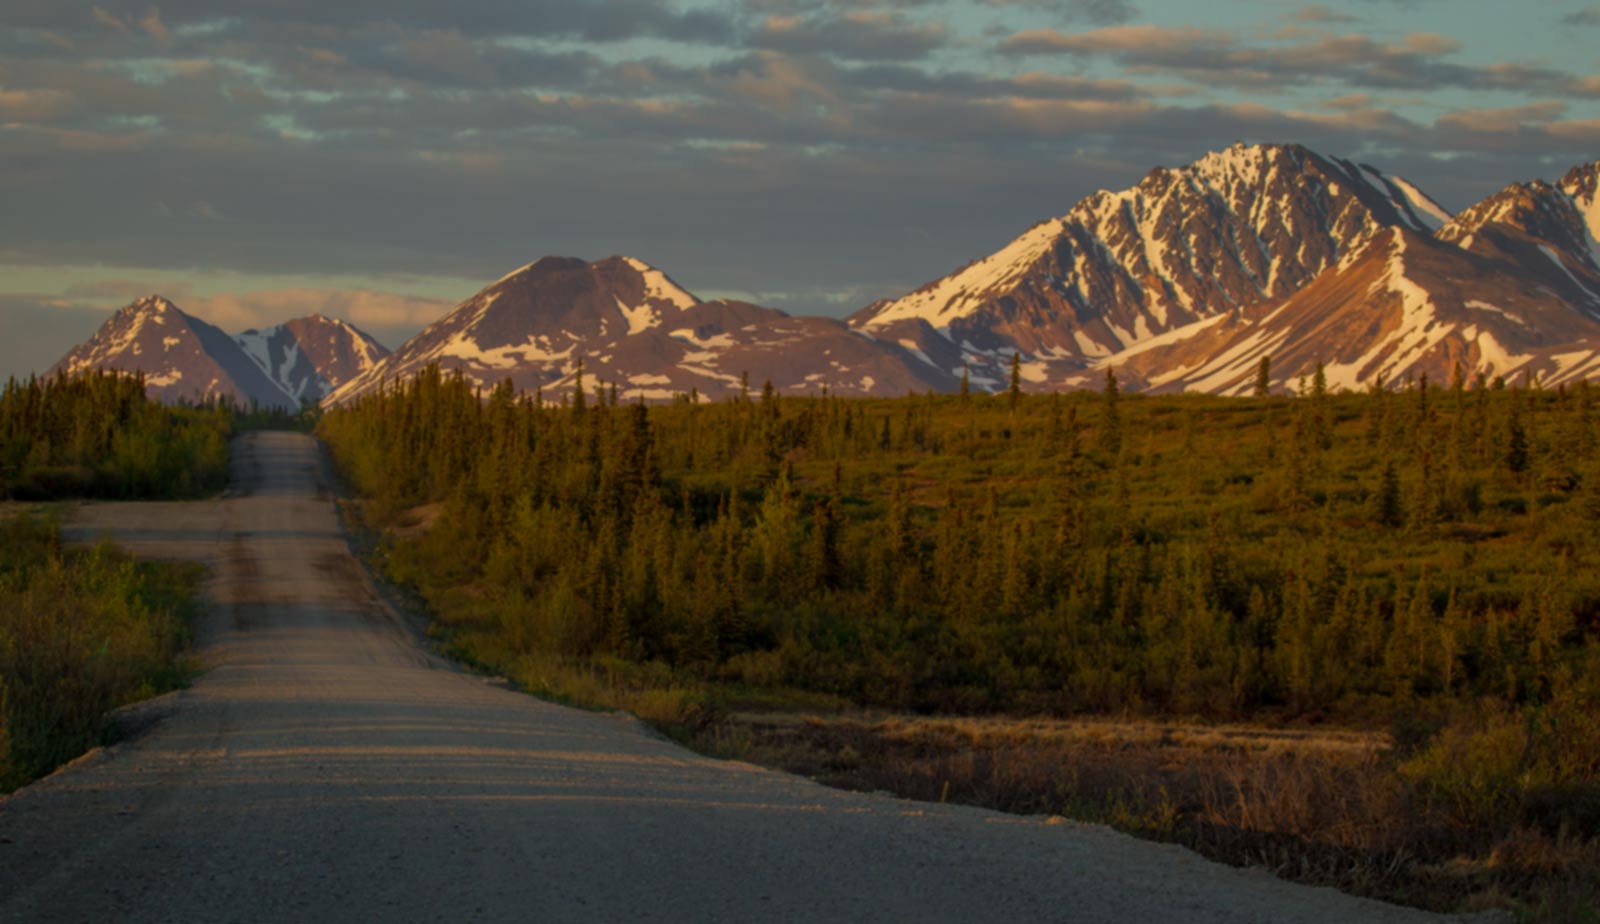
column 1321, row 12
column 862, row 36
column 1095, row 12
column 1588, row 16
column 37, row 330
column 846, row 150
column 1215, row 56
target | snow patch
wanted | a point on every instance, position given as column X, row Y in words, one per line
column 658, row 286
column 1556, row 259
column 1430, row 213
column 516, row 272
column 642, row 317
column 1476, row 305
column 960, row 293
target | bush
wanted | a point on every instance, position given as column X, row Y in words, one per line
column 81, row 633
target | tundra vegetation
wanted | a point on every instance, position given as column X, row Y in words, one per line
column 1414, row 566
column 83, row 631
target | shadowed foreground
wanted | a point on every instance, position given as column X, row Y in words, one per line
column 328, row 767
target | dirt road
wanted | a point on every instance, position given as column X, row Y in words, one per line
column 328, row 768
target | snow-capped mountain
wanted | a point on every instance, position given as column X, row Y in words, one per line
column 181, row 356
column 185, row 358
column 309, row 357
column 1186, row 280
column 1406, row 305
column 634, row 327
column 1183, row 282
column 1235, row 230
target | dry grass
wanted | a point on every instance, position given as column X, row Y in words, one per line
column 1326, row 807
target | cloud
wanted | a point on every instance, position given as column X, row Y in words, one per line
column 1215, row 56
column 1097, row 12
column 1321, row 12
column 368, row 309
column 150, row 22
column 858, row 35
column 1501, row 121
column 37, row 330
column 791, row 147
column 1588, row 16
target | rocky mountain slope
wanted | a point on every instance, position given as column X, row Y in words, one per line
column 309, row 357
column 1509, row 287
column 186, row 359
column 1189, row 278
column 634, row 327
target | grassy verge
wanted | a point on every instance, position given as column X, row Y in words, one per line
column 82, row 631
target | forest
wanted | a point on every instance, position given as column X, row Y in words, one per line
column 1319, row 554
column 83, row 631
column 96, row 435
column 1418, row 557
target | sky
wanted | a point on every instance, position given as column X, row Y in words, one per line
column 380, row 160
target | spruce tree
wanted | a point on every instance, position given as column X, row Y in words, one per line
column 579, row 400
column 1109, row 438
column 1264, row 377
column 1388, row 508
column 1014, row 395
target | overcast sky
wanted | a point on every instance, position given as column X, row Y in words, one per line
column 379, row 160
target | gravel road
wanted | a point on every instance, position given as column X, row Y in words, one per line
column 328, row 768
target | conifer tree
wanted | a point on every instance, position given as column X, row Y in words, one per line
column 1110, row 436
column 1516, row 448
column 826, row 566
column 1263, row 377
column 1014, row 395
column 1388, row 508
column 579, row 400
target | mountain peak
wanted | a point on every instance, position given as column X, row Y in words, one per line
column 1233, row 230
column 181, row 356
column 309, row 357
column 152, row 302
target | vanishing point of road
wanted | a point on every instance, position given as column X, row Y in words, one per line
column 328, row 767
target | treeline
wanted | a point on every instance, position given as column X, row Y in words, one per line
column 96, row 434
column 1312, row 555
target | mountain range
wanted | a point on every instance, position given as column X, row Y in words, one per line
column 186, row 359
column 1185, row 281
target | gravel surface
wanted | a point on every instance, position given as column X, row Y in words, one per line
column 327, row 767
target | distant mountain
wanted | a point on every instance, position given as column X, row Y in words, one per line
column 309, row 357
column 1406, row 305
column 1233, row 231
column 185, row 358
column 181, row 356
column 634, row 327
column 1187, row 280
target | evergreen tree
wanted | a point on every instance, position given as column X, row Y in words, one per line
column 1263, row 377
column 1014, row 395
column 579, row 400
column 1110, row 435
